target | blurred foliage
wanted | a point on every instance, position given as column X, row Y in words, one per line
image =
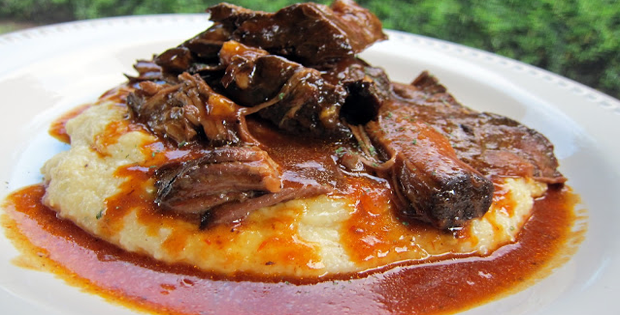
column 579, row 39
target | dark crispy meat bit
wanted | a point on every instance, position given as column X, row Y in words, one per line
column 175, row 60
column 492, row 144
column 252, row 57
column 221, row 175
column 204, row 48
column 198, row 54
column 432, row 184
column 206, row 45
column 187, row 111
column 308, row 104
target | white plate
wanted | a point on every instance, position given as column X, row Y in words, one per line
column 46, row 71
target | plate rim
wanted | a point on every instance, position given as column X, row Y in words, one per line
column 594, row 97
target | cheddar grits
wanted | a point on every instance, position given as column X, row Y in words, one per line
column 103, row 184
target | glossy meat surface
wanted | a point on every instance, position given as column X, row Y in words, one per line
column 492, row 144
column 432, row 184
column 329, row 33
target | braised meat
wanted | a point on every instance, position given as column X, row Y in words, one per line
column 444, row 154
column 252, row 76
column 187, row 111
column 296, row 72
column 299, row 82
column 492, row 144
column 294, row 97
column 225, row 184
column 299, row 99
column 329, row 33
column 148, row 70
column 432, row 184
column 221, row 175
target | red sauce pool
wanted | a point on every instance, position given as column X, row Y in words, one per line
column 435, row 288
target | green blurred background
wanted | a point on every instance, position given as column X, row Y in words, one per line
column 579, row 39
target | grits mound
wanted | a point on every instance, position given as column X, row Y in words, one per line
column 102, row 184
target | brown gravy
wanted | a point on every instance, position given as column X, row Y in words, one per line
column 433, row 288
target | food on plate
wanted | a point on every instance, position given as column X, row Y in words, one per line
column 266, row 149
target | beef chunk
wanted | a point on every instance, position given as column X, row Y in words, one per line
column 308, row 104
column 225, row 185
column 252, row 76
column 295, row 98
column 300, row 99
column 297, row 69
column 175, row 60
column 186, row 111
column 492, row 144
column 309, row 33
column 221, row 175
column 300, row 60
column 329, row 33
column 444, row 154
column 432, row 184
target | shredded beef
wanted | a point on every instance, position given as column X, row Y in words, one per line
column 295, row 98
column 221, row 175
column 238, row 210
column 299, row 99
column 187, row 111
